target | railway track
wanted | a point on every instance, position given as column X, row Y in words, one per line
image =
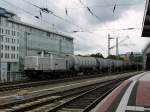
column 87, row 100
column 28, row 84
column 64, row 99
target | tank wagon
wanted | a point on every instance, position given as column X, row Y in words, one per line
column 37, row 67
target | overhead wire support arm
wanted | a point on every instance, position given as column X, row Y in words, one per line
column 46, row 10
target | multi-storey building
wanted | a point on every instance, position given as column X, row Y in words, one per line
column 19, row 39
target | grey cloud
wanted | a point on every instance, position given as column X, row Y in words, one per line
column 78, row 16
column 104, row 9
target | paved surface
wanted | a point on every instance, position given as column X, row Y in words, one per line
column 133, row 95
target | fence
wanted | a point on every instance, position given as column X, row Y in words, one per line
column 14, row 76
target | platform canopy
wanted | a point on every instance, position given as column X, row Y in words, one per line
column 146, row 20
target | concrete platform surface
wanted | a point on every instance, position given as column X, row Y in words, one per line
column 133, row 95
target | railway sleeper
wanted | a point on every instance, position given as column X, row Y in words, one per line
column 23, row 107
column 70, row 110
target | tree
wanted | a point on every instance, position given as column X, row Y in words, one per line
column 131, row 57
column 115, row 57
column 136, row 57
column 98, row 55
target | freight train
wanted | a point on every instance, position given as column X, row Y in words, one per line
column 39, row 67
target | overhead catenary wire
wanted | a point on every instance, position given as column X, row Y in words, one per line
column 69, row 22
column 31, row 14
column 52, row 13
column 66, row 8
column 35, row 16
column 90, row 11
column 28, row 12
column 98, row 6
column 115, row 6
column 93, row 14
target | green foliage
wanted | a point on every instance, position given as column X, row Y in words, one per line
column 136, row 58
column 115, row 57
column 98, row 55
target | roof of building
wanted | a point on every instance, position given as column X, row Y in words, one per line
column 39, row 28
column 5, row 13
column 146, row 20
column 133, row 95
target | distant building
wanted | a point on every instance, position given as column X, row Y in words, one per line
column 137, row 56
column 19, row 39
column 124, row 56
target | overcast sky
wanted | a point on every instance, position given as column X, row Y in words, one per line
column 96, row 27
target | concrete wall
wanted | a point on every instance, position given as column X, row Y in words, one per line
column 146, row 51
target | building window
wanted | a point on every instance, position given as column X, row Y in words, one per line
column 8, row 40
column 17, row 56
column 8, row 32
column 11, row 56
column 17, row 48
column 2, row 31
column 18, row 34
column 8, row 48
column 12, row 33
column 18, row 41
column 48, row 34
column 5, row 47
column 1, row 55
column 0, row 21
column 1, row 47
column 2, row 39
column 13, row 40
column 12, row 48
column 5, row 55
column 8, row 56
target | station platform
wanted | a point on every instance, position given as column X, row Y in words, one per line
column 133, row 95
